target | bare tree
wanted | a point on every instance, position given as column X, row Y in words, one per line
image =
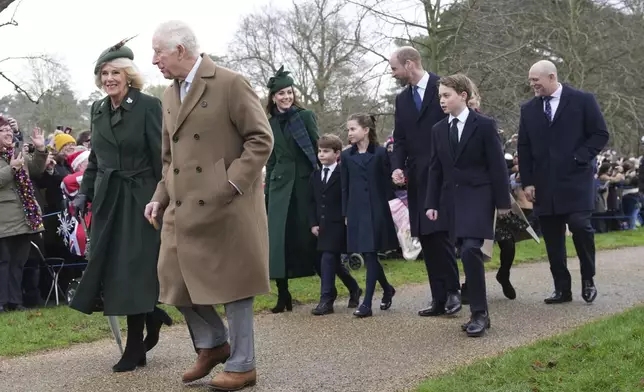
column 325, row 50
column 18, row 86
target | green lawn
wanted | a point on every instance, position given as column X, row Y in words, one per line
column 24, row 332
column 604, row 356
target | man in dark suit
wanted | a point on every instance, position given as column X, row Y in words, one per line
column 561, row 132
column 327, row 224
column 467, row 182
column 417, row 110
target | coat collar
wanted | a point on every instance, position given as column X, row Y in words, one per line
column 563, row 102
column 206, row 71
column 371, row 149
column 468, row 130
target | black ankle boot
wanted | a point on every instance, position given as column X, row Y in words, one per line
column 134, row 354
column 153, row 322
column 284, row 302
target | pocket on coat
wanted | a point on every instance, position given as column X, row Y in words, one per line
column 223, row 190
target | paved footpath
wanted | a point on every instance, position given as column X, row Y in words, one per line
column 391, row 351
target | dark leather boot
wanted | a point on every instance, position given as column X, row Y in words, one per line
column 134, row 354
column 153, row 322
column 284, row 298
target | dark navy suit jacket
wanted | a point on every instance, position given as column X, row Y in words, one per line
column 558, row 159
column 468, row 186
column 412, row 143
column 326, row 212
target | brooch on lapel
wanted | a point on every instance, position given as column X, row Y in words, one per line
column 128, row 100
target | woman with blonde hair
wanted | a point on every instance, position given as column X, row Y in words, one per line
column 123, row 170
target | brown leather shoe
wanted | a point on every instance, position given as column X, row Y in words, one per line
column 231, row 381
column 208, row 358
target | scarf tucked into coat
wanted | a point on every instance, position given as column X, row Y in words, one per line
column 296, row 127
column 25, row 190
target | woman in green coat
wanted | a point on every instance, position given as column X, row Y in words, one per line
column 124, row 168
column 292, row 251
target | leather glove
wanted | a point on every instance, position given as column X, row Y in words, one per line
column 80, row 204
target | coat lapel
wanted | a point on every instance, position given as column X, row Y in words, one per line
column 206, row 70
column 428, row 97
column 101, row 121
column 563, row 101
column 334, row 177
column 468, row 130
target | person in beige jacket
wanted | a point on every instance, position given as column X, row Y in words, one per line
column 214, row 238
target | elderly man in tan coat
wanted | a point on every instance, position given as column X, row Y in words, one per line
column 214, row 237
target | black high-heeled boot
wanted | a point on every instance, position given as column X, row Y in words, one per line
column 153, row 322
column 284, row 299
column 134, row 354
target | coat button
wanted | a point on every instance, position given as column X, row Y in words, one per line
column 322, row 216
column 178, row 203
column 176, row 171
column 201, row 202
column 323, row 205
column 196, row 136
column 198, row 169
column 175, row 138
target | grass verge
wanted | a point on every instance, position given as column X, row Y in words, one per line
column 606, row 355
column 25, row 332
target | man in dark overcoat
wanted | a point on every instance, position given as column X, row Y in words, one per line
column 561, row 132
column 417, row 110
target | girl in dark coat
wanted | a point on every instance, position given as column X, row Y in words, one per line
column 366, row 191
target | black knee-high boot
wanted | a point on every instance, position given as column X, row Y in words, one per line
column 284, row 299
column 134, row 354
column 153, row 322
column 508, row 250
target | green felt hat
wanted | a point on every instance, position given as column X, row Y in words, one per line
column 114, row 52
column 280, row 80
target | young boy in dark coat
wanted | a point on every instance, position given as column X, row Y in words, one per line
column 468, row 180
column 327, row 224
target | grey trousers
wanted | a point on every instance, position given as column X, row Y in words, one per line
column 208, row 331
column 14, row 252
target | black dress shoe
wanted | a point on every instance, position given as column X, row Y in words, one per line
column 386, row 301
column 363, row 312
column 153, row 322
column 453, row 304
column 465, row 299
column 435, row 309
column 354, row 299
column 558, row 297
column 477, row 325
column 588, row 291
column 17, row 308
column 322, row 309
column 508, row 289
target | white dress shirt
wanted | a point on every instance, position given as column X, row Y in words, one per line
column 185, row 85
column 554, row 101
column 422, row 86
column 331, row 169
column 462, row 117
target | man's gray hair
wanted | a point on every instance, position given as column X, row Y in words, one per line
column 174, row 33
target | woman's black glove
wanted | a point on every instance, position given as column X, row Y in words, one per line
column 80, row 204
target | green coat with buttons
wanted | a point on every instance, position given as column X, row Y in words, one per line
column 292, row 246
column 123, row 171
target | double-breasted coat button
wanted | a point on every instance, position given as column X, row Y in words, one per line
column 176, row 171
column 196, row 136
column 204, row 104
column 175, row 138
column 178, row 203
column 201, row 202
column 198, row 169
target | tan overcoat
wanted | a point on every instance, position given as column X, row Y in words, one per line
column 214, row 242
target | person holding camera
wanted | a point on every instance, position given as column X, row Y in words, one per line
column 20, row 214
